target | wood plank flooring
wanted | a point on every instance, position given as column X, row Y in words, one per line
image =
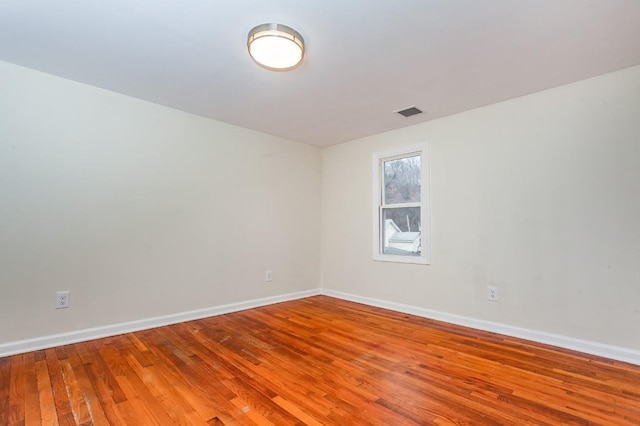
column 315, row 361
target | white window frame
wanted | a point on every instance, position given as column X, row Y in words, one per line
column 378, row 176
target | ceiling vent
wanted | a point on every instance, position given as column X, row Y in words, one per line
column 408, row 112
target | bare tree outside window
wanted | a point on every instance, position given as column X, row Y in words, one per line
column 402, row 180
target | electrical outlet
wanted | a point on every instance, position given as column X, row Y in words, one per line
column 62, row 299
column 492, row 293
column 268, row 276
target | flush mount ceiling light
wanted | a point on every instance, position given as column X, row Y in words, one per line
column 276, row 47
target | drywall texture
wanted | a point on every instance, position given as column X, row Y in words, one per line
column 141, row 210
column 539, row 196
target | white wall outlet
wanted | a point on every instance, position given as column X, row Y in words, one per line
column 62, row 299
column 268, row 276
column 492, row 293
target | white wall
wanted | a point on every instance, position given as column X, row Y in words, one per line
column 141, row 210
column 539, row 196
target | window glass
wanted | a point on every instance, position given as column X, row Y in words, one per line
column 401, row 231
column 402, row 180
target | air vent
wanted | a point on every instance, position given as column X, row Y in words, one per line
column 408, row 112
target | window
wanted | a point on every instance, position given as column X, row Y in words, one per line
column 401, row 216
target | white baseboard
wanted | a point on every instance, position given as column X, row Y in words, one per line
column 44, row 342
column 593, row 348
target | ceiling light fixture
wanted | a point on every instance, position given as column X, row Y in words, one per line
column 276, row 47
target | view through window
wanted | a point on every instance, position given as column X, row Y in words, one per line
column 402, row 205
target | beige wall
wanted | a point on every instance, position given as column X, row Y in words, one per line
column 141, row 210
column 539, row 196
column 144, row 211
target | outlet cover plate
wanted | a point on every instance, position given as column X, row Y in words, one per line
column 492, row 293
column 62, row 299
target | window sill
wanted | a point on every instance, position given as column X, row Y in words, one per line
column 416, row 260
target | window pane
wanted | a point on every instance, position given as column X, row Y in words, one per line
column 401, row 231
column 402, row 180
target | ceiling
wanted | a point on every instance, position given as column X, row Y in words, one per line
column 365, row 58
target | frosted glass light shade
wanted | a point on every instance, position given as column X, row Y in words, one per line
column 276, row 46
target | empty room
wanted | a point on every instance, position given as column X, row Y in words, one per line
column 366, row 212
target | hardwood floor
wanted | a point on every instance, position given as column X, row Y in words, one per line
column 315, row 361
